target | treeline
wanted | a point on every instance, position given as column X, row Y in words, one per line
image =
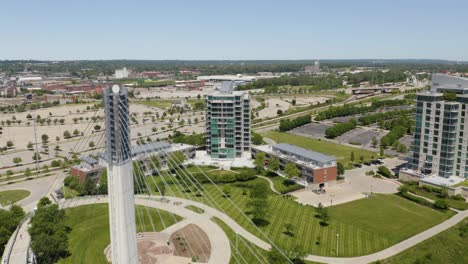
column 340, row 128
column 9, row 220
column 376, row 77
column 370, row 119
column 194, row 139
column 320, row 82
column 348, row 110
column 340, row 111
column 288, row 124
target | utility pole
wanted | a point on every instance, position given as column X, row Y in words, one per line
column 37, row 148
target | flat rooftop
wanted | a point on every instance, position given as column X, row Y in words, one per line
column 441, row 181
column 302, row 152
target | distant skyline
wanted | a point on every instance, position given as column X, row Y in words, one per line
column 234, row 30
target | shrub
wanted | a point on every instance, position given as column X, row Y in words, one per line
column 457, row 197
column 441, row 204
column 384, row 171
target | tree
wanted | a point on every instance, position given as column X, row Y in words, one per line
column 375, row 142
column 30, row 145
column 293, row 102
column 382, row 152
column 259, row 160
column 340, row 168
column 384, row 171
column 17, row 160
column 43, row 202
column 352, row 156
column 92, row 144
column 226, row 191
column 66, row 134
column 154, row 163
column 257, row 139
column 291, row 170
column 71, row 182
column 49, row 234
column 76, row 132
column 27, row 172
column 36, row 156
column 10, row 144
column 361, row 158
column 274, row 164
column 322, row 213
column 45, row 138
column 279, row 112
column 289, row 229
column 97, row 127
column 103, row 189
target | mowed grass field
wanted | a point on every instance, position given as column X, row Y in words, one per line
column 165, row 103
column 341, row 152
column 10, row 197
column 448, row 247
column 90, row 230
column 365, row 226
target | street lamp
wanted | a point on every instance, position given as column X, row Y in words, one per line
column 331, row 199
column 337, row 244
column 237, row 243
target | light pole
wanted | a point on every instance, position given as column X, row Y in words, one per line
column 331, row 199
column 237, row 243
column 37, row 150
column 337, row 244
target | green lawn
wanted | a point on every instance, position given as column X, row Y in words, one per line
column 165, row 103
column 463, row 183
column 448, row 247
column 283, row 185
column 460, row 205
column 247, row 252
column 365, row 226
column 342, row 153
column 10, row 197
column 195, row 209
column 90, row 230
column 69, row 193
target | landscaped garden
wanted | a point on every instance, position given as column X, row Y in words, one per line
column 11, row 197
column 446, row 247
column 434, row 193
column 363, row 225
column 90, row 230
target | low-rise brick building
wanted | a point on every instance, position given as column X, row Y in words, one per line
column 317, row 169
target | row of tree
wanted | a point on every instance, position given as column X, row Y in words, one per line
column 354, row 109
column 288, row 124
column 340, row 128
column 319, row 82
column 370, row 119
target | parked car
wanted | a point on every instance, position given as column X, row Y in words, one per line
column 357, row 165
column 367, row 163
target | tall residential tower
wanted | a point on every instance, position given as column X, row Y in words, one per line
column 227, row 123
column 440, row 146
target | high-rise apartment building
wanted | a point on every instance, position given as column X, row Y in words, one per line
column 440, row 146
column 227, row 123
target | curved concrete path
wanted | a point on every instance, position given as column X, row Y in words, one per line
column 223, row 249
column 220, row 244
column 272, row 185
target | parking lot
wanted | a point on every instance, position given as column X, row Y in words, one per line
column 356, row 186
column 313, row 130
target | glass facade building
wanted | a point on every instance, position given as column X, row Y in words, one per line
column 440, row 146
column 227, row 123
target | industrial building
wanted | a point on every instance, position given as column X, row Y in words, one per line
column 440, row 146
column 317, row 169
column 228, row 123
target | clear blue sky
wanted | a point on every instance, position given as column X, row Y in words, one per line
column 226, row 29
